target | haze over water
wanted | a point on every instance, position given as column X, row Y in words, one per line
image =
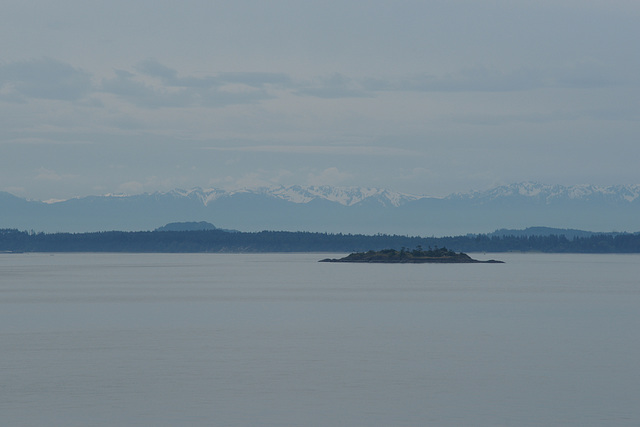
column 280, row 339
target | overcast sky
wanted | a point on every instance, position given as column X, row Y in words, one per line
column 425, row 97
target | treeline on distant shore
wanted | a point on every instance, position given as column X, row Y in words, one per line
column 12, row 240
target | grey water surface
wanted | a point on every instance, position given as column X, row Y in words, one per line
column 282, row 340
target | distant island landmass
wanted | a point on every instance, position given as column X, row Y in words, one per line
column 221, row 240
column 416, row 256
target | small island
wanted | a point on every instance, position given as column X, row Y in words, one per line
column 416, row 256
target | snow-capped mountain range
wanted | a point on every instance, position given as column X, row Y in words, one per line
column 349, row 196
column 346, row 196
column 549, row 193
column 339, row 209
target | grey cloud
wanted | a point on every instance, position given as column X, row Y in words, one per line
column 196, row 82
column 608, row 113
column 153, row 68
column 52, row 79
column 156, row 69
column 256, row 79
column 170, row 77
column 469, row 80
column 582, row 75
column 587, row 75
column 341, row 150
column 335, row 86
column 174, row 93
column 141, row 94
column 496, row 119
column 44, row 79
column 221, row 98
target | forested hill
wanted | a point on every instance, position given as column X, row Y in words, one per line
column 281, row 241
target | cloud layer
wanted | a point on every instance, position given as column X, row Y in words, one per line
column 151, row 84
column 421, row 97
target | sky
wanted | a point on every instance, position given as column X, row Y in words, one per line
column 421, row 97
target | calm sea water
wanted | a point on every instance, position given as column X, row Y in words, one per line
column 282, row 340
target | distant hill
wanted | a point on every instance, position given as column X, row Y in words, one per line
column 187, row 226
column 339, row 210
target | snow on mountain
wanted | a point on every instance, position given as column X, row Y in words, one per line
column 204, row 196
column 350, row 196
column 346, row 196
column 548, row 193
